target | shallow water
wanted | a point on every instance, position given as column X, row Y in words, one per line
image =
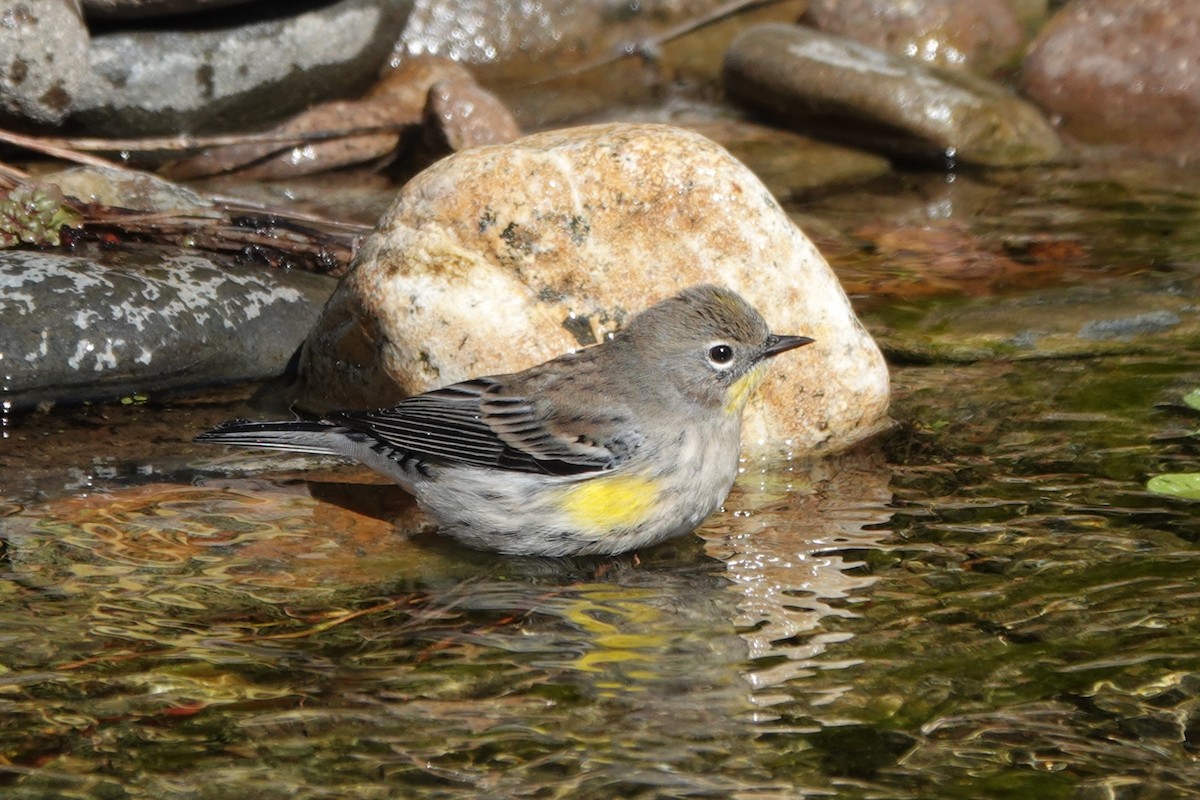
column 986, row 603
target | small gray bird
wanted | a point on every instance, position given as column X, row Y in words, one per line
column 615, row 447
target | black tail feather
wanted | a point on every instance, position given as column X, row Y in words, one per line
column 299, row 436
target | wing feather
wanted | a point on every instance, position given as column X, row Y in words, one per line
column 476, row 423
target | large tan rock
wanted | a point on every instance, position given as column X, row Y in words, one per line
column 499, row 258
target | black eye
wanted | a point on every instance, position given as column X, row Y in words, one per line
column 720, row 355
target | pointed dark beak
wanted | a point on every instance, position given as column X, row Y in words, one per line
column 777, row 344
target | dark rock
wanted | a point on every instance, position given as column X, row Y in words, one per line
column 849, row 92
column 141, row 9
column 1112, row 71
column 242, row 76
column 43, row 59
column 80, row 329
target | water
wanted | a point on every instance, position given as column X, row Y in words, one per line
column 987, row 603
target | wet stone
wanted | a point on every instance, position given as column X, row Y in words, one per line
column 841, row 89
column 171, row 81
column 80, row 328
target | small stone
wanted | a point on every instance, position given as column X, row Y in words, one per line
column 818, row 83
column 474, row 272
column 460, row 113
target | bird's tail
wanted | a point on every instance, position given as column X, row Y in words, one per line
column 297, row 436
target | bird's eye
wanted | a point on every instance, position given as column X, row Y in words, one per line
column 720, row 355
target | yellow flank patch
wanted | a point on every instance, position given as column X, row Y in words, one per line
column 608, row 503
column 741, row 389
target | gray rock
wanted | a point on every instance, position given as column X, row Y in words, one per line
column 844, row 90
column 79, row 329
column 240, row 77
column 43, row 59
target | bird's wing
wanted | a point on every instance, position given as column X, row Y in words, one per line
column 477, row 423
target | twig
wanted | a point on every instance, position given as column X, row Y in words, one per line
column 48, row 147
column 59, row 146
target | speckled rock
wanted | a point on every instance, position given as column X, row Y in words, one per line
column 1122, row 72
column 981, row 35
column 242, row 76
column 43, row 59
column 844, row 90
column 84, row 329
column 472, row 272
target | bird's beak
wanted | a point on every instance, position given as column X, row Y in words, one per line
column 777, row 344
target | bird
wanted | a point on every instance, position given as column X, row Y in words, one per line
column 604, row 450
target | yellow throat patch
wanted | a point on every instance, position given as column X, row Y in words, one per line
column 741, row 389
column 605, row 504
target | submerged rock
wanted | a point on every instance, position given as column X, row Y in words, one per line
column 814, row 82
column 1148, row 313
column 1121, row 72
column 80, row 329
column 473, row 273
